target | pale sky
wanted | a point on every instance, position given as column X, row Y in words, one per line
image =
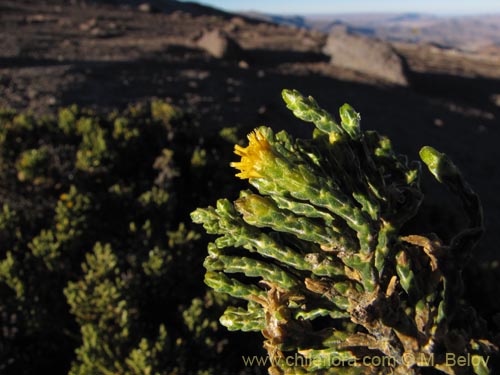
column 349, row 6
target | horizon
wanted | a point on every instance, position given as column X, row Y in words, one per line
column 323, row 7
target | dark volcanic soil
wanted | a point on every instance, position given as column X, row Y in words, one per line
column 106, row 56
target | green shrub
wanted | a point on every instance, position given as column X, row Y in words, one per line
column 319, row 254
column 98, row 260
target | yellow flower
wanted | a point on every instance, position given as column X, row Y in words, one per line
column 253, row 157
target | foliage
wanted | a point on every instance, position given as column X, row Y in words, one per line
column 319, row 254
column 99, row 271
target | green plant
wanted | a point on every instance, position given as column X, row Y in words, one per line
column 319, row 255
column 99, row 267
column 31, row 162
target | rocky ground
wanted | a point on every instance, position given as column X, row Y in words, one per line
column 56, row 53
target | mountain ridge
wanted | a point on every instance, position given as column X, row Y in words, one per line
column 471, row 33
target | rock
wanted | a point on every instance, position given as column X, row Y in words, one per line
column 98, row 32
column 438, row 122
column 243, row 64
column 178, row 15
column 89, row 24
column 32, row 93
column 495, row 99
column 231, row 28
column 51, row 100
column 218, row 44
column 366, row 55
column 146, row 8
column 237, row 21
column 40, row 18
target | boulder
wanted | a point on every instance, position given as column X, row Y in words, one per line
column 366, row 55
column 147, row 8
column 220, row 45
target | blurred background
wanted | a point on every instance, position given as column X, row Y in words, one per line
column 119, row 118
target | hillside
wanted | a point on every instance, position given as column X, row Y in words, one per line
column 106, row 56
column 118, row 119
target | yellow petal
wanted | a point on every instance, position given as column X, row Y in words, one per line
column 253, row 157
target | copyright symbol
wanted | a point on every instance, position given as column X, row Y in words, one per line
column 408, row 359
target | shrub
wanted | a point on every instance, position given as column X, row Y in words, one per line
column 100, row 272
column 319, row 254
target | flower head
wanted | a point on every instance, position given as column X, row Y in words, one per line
column 254, row 156
column 254, row 207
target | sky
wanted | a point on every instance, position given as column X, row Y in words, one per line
column 350, row 6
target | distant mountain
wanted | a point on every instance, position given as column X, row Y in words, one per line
column 297, row 21
column 468, row 33
column 408, row 17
